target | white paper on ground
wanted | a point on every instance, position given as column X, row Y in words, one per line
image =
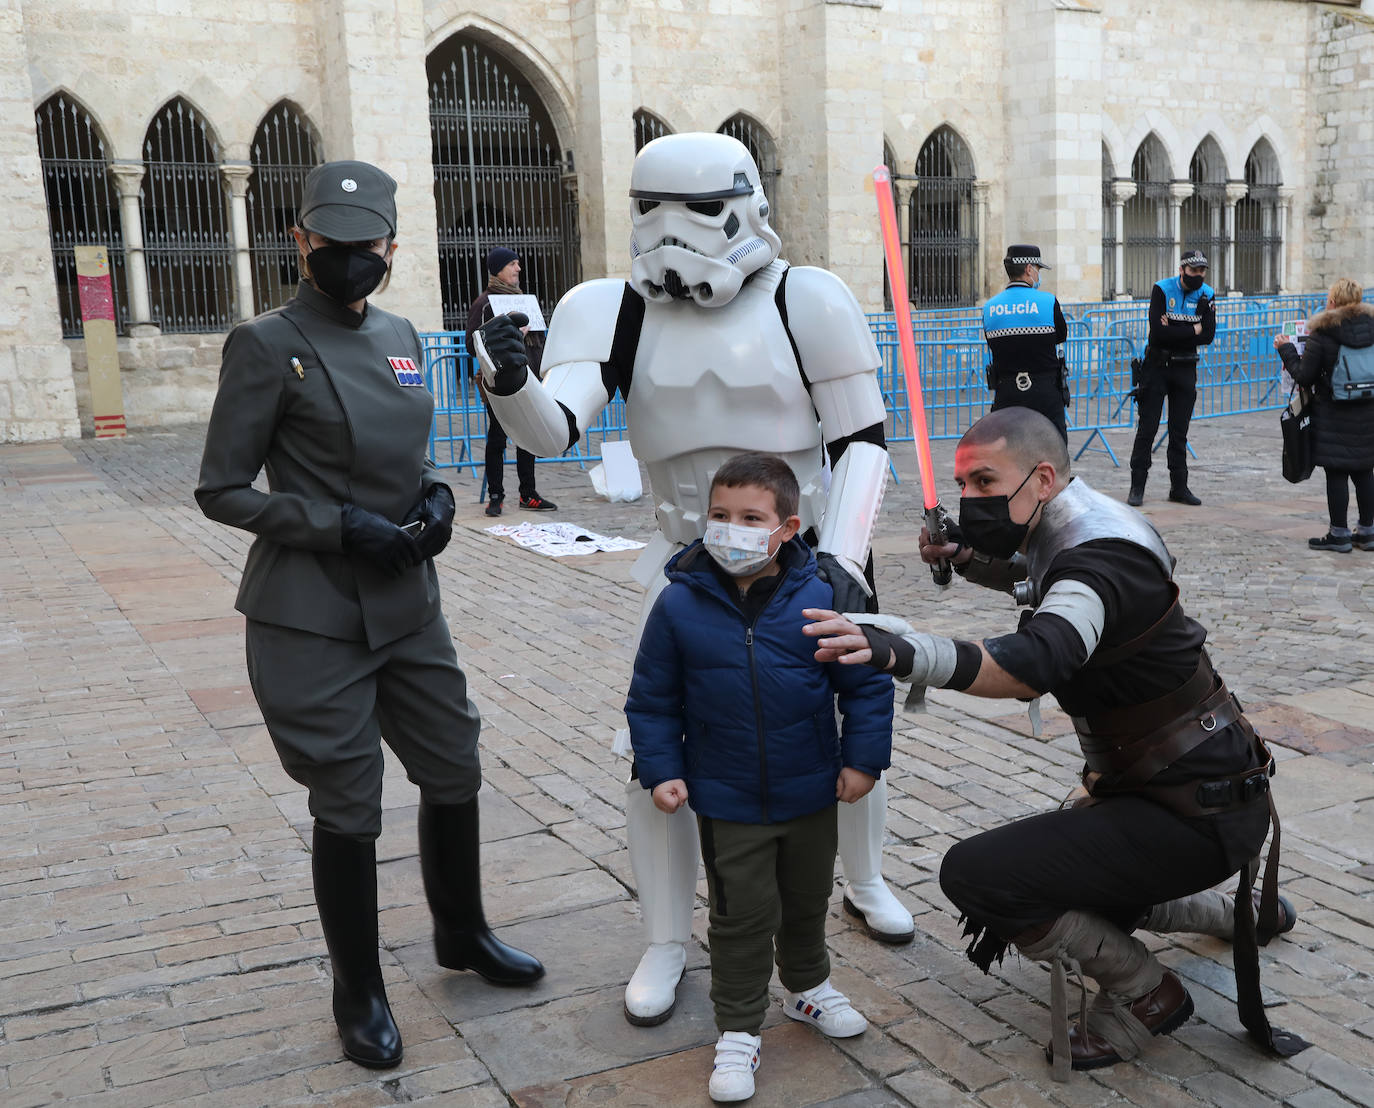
column 561, row 540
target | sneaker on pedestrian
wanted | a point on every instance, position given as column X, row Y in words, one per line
column 537, row 503
column 827, row 1008
column 737, row 1057
column 494, row 505
column 1181, row 494
column 1337, row 543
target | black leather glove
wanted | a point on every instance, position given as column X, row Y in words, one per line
column 505, row 350
column 849, row 594
column 380, row 541
column 435, row 510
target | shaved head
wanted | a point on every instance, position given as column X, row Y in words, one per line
column 1029, row 438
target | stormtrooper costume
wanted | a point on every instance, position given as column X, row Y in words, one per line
column 718, row 347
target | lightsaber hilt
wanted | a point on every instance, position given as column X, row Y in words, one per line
column 941, row 571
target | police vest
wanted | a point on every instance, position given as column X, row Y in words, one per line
column 1180, row 305
column 1018, row 324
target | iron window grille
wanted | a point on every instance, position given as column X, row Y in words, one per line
column 1202, row 216
column 942, row 225
column 187, row 245
column 1259, row 239
column 499, row 179
column 1147, row 235
column 647, row 128
column 83, row 205
column 284, row 152
column 1108, row 227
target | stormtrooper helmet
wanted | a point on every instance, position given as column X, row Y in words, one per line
column 700, row 219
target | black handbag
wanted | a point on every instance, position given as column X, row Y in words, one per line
column 1295, row 423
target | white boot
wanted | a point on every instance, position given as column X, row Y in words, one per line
column 663, row 855
column 826, row 1008
column 867, row 896
column 737, row 1057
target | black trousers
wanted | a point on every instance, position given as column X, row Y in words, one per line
column 1115, row 858
column 1043, row 396
column 1177, row 383
column 496, row 461
column 1338, row 482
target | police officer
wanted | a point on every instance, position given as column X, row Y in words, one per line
column 346, row 642
column 1182, row 318
column 1023, row 327
column 1178, row 782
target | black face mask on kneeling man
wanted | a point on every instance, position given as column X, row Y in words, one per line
column 987, row 524
column 346, row 273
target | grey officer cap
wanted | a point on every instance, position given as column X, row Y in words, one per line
column 348, row 202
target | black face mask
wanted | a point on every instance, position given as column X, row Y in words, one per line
column 346, row 273
column 987, row 524
column 1192, row 284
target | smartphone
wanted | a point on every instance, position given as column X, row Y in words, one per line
column 413, row 528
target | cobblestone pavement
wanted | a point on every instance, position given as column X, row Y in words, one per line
column 158, row 939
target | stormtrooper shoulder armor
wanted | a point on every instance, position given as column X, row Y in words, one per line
column 583, row 325
column 828, row 326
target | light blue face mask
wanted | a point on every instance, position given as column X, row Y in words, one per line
column 1037, row 278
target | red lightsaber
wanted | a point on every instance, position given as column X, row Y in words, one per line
column 911, row 372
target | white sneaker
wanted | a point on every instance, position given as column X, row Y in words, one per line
column 737, row 1057
column 651, row 995
column 827, row 1008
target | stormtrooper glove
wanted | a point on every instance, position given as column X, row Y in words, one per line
column 500, row 350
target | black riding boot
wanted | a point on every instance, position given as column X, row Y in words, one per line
column 450, row 863
column 346, row 894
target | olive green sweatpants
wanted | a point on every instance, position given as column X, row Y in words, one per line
column 769, row 885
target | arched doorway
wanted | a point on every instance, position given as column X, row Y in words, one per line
column 498, row 178
column 1259, row 234
column 943, row 267
column 763, row 150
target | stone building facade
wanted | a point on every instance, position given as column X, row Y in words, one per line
column 1108, row 131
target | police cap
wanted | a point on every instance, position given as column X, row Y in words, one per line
column 1194, row 257
column 348, row 202
column 1024, row 254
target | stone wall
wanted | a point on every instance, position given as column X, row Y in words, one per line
column 1338, row 208
column 1032, row 88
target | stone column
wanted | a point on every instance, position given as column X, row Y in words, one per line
column 1282, row 213
column 375, row 108
column 605, row 144
column 1235, row 193
column 981, row 189
column 128, row 179
column 236, row 176
column 830, row 136
column 37, row 393
column 1121, row 192
column 1179, row 191
column 1052, row 104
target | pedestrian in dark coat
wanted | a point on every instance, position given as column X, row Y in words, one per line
column 1343, row 430
column 347, row 645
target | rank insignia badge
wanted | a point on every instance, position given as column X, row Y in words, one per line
column 407, row 372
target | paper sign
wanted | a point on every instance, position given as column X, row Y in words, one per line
column 501, row 303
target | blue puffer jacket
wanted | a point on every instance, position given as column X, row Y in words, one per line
column 744, row 713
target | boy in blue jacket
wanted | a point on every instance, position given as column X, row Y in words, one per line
column 729, row 707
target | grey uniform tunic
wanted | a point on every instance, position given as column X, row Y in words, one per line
column 332, row 403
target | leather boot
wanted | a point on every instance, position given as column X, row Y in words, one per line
column 450, row 862
column 346, row 893
column 1210, row 912
column 1136, row 497
column 1137, row 997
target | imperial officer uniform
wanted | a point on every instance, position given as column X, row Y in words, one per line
column 1024, row 327
column 346, row 643
column 1182, row 318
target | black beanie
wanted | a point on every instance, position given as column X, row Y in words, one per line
column 499, row 258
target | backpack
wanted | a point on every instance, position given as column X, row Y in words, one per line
column 1353, row 375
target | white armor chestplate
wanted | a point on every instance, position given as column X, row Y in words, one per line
column 701, row 395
